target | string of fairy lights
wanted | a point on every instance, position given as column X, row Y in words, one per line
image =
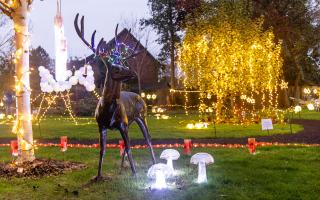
column 22, row 88
column 242, row 73
column 176, row 145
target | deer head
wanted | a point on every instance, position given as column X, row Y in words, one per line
column 114, row 61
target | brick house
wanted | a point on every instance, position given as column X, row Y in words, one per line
column 144, row 64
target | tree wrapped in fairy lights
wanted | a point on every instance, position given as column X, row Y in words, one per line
column 231, row 59
column 18, row 11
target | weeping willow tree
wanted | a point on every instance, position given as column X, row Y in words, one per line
column 229, row 57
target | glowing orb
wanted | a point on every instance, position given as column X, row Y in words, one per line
column 310, row 106
column 297, row 109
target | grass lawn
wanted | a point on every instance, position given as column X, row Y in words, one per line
column 175, row 127
column 307, row 114
column 273, row 173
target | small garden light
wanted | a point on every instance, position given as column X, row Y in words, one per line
column 169, row 155
column 202, row 159
column 190, row 126
column 154, row 96
column 310, row 106
column 159, row 172
column 297, row 109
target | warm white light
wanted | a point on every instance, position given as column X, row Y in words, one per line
column 148, row 96
column 154, row 96
column 164, row 116
column 198, row 125
column 190, row 126
column 2, row 116
column 143, row 95
column 297, row 109
column 315, row 91
column 310, row 106
column 306, row 91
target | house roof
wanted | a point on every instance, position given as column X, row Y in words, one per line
column 130, row 37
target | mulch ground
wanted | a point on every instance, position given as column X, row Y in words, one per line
column 38, row 168
column 310, row 135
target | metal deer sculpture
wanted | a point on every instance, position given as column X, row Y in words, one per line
column 116, row 109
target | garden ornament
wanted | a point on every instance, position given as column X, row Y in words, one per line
column 159, row 172
column 169, row 155
column 202, row 159
column 116, row 109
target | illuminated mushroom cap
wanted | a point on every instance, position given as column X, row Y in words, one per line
column 171, row 154
column 201, row 157
column 166, row 171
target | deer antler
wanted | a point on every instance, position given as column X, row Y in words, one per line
column 80, row 32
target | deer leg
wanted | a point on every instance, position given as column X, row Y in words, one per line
column 103, row 140
column 122, row 161
column 144, row 129
column 124, row 133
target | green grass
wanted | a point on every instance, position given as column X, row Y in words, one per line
column 273, row 173
column 175, row 127
column 307, row 114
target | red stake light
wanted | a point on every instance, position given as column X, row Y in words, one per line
column 252, row 145
column 14, row 148
column 187, row 147
column 64, row 143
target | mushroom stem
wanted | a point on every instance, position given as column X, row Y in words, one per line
column 202, row 173
column 160, row 180
column 169, row 164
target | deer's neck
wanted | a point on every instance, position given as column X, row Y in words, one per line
column 111, row 90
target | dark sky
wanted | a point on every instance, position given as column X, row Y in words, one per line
column 102, row 15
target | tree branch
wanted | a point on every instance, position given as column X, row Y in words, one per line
column 6, row 6
column 5, row 10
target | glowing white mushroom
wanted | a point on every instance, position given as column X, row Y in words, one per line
column 169, row 155
column 160, row 172
column 297, row 109
column 310, row 106
column 202, row 159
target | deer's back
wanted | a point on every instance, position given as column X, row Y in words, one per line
column 133, row 104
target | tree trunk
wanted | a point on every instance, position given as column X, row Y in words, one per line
column 172, row 46
column 24, row 123
column 219, row 105
column 299, row 77
column 172, row 67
